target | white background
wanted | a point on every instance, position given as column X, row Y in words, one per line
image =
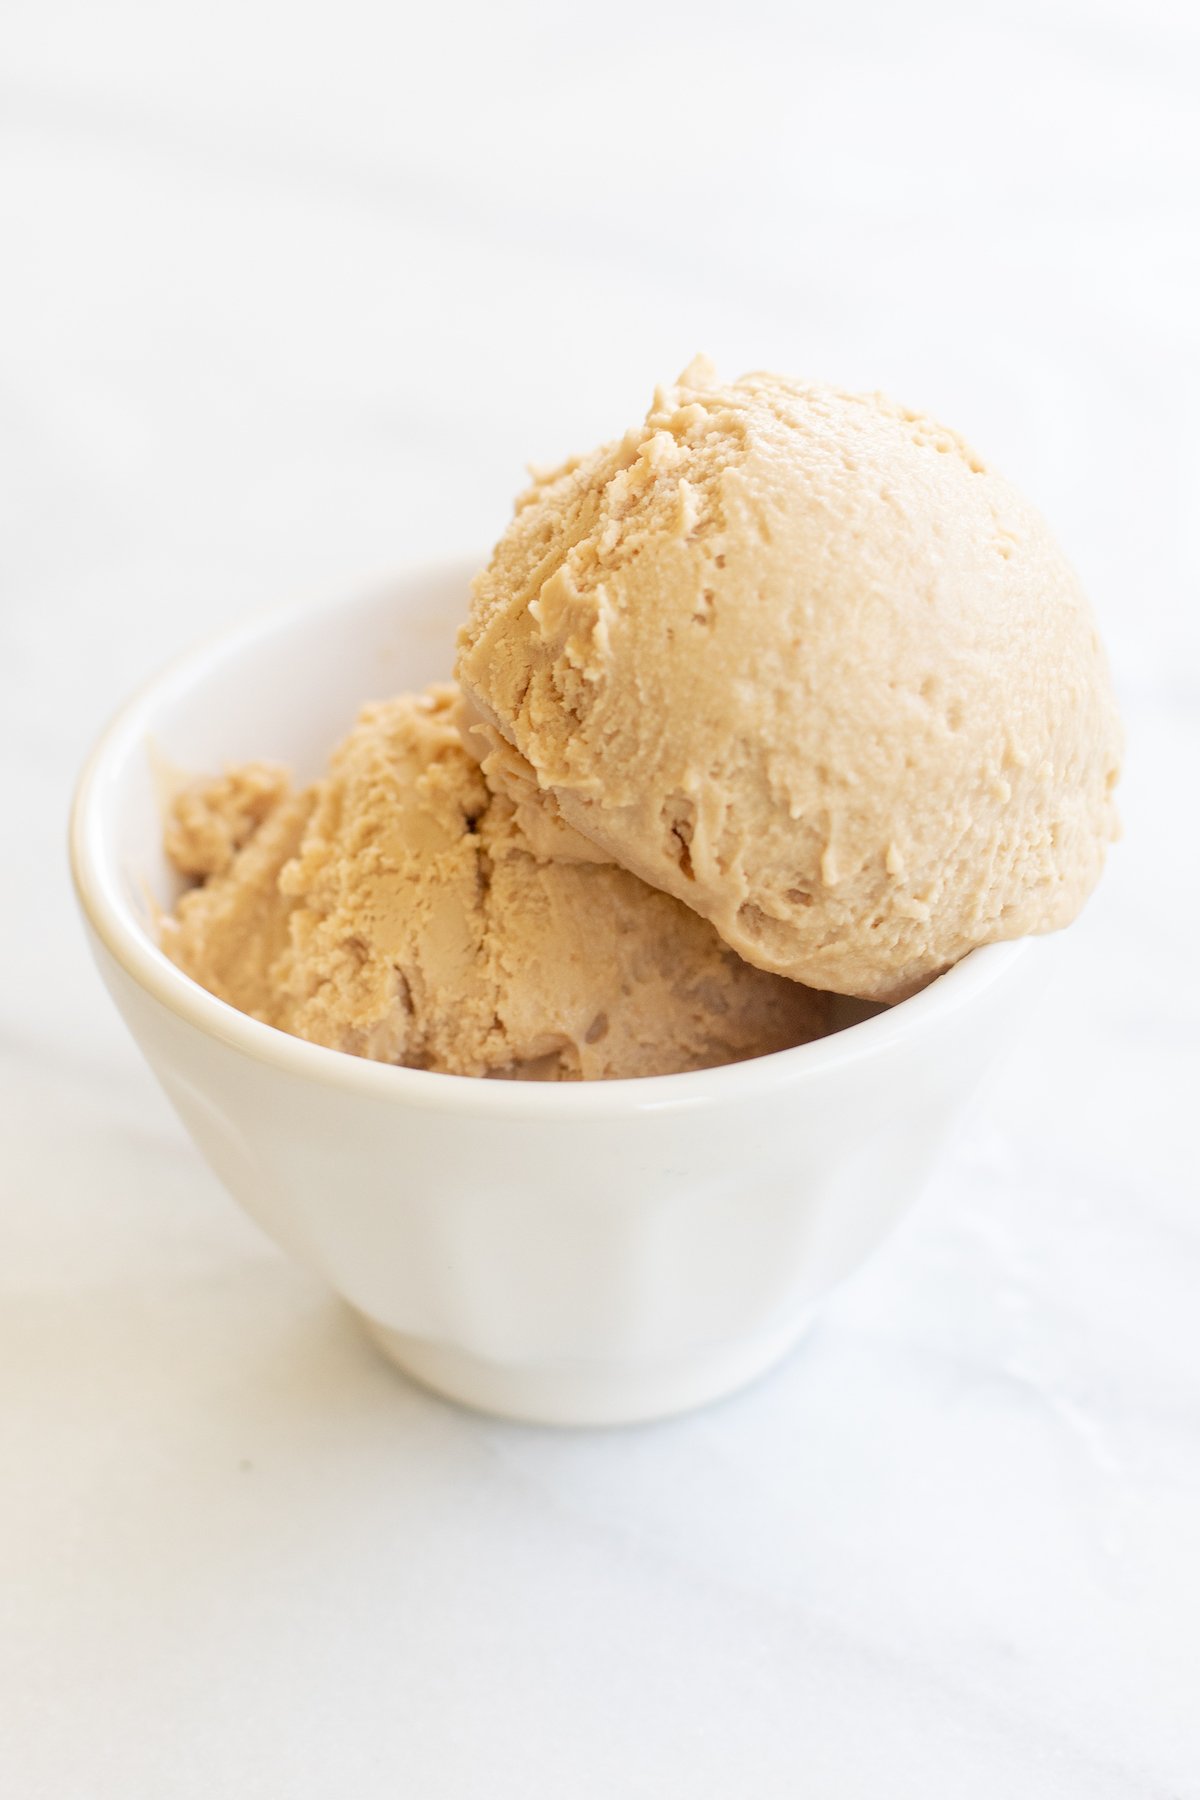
column 287, row 297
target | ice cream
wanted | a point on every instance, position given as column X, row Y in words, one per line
column 799, row 658
column 398, row 909
column 785, row 690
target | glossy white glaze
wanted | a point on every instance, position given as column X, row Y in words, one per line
column 584, row 1255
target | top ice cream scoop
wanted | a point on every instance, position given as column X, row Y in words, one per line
column 799, row 658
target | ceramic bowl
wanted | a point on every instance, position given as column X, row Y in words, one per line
column 586, row 1253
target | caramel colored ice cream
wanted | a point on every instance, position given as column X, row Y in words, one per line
column 399, row 910
column 800, row 659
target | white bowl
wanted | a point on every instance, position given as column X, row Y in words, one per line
column 586, row 1253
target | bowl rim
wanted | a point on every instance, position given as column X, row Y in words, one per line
column 109, row 915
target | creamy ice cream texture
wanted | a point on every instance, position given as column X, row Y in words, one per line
column 785, row 687
column 800, row 659
column 399, row 909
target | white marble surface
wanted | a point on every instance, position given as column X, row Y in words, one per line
column 288, row 295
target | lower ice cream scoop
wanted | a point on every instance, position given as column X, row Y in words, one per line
column 398, row 909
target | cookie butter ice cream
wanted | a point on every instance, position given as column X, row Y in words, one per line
column 399, row 909
column 801, row 659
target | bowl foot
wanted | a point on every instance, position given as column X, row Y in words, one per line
column 585, row 1393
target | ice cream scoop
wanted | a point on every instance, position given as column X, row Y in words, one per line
column 801, row 659
column 397, row 909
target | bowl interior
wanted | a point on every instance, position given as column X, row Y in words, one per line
column 284, row 690
column 287, row 689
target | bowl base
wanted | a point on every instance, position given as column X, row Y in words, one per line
column 580, row 1393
